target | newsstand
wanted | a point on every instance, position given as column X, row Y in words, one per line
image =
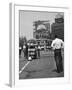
column 32, row 52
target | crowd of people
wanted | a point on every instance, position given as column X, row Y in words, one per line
column 25, row 50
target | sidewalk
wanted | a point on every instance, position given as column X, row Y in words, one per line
column 48, row 53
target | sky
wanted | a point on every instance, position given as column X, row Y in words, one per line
column 28, row 17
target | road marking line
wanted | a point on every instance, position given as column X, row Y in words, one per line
column 24, row 67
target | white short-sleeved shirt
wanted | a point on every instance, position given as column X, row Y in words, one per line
column 19, row 47
column 24, row 47
column 39, row 47
column 57, row 44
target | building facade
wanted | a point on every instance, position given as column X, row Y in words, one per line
column 42, row 34
column 58, row 28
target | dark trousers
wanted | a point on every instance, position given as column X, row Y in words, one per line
column 20, row 52
column 58, row 60
column 26, row 54
column 39, row 53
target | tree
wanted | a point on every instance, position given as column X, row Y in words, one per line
column 22, row 41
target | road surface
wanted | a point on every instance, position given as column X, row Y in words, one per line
column 39, row 68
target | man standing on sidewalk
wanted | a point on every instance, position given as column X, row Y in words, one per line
column 56, row 45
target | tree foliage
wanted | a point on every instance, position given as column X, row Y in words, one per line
column 22, row 41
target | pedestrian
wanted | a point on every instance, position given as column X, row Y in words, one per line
column 57, row 45
column 35, row 51
column 38, row 51
column 24, row 50
column 20, row 49
column 26, row 53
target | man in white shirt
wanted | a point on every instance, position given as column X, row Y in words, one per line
column 56, row 45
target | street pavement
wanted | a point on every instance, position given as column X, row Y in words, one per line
column 39, row 68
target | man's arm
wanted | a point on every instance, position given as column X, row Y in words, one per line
column 52, row 45
column 62, row 44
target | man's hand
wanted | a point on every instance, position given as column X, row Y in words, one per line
column 52, row 48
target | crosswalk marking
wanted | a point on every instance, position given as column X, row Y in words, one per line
column 24, row 67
